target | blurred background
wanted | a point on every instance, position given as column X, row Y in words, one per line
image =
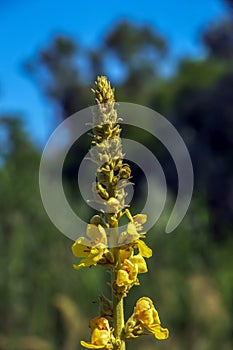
column 173, row 56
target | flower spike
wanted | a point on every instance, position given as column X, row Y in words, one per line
column 124, row 253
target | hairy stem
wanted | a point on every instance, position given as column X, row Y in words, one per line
column 118, row 313
column 118, row 304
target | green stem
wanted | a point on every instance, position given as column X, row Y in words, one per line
column 118, row 304
column 118, row 316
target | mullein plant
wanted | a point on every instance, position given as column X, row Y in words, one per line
column 122, row 253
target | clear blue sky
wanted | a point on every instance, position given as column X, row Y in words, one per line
column 27, row 25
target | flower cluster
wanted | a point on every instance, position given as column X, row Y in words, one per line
column 94, row 250
column 123, row 253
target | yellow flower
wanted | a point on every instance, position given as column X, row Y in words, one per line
column 93, row 249
column 139, row 220
column 97, row 234
column 143, row 249
column 129, row 235
column 125, row 253
column 140, row 262
column 101, row 334
column 127, row 250
column 127, row 274
column 130, row 268
column 148, row 317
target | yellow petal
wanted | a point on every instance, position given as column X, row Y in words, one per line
column 97, row 234
column 79, row 249
column 92, row 231
column 127, row 274
column 140, row 218
column 126, row 253
column 103, row 236
column 156, row 319
column 129, row 235
column 158, row 331
column 87, row 262
column 113, row 205
column 144, row 304
column 91, row 258
column 131, row 268
column 123, row 238
column 100, row 337
column 131, row 229
column 144, row 250
column 122, row 278
column 140, row 261
column 91, row 346
column 79, row 266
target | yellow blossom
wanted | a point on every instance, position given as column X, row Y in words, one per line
column 127, row 250
column 148, row 317
column 127, row 274
column 93, row 249
column 129, row 235
column 130, row 268
column 139, row 220
column 101, row 334
column 140, row 262
column 126, row 253
column 144, row 250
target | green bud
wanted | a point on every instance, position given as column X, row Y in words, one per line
column 102, row 191
column 97, row 220
column 125, row 172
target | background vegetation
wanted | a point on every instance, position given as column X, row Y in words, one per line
column 44, row 303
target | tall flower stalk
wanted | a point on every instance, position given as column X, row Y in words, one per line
column 123, row 252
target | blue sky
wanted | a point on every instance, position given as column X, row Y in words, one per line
column 27, row 25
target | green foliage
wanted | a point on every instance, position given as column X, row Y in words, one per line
column 132, row 43
column 34, row 256
column 190, row 275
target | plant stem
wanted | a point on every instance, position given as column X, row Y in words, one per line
column 118, row 315
column 118, row 304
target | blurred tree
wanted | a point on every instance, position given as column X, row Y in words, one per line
column 202, row 103
column 218, row 37
column 55, row 70
column 200, row 100
column 64, row 70
column 137, row 50
column 133, row 44
column 35, row 260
